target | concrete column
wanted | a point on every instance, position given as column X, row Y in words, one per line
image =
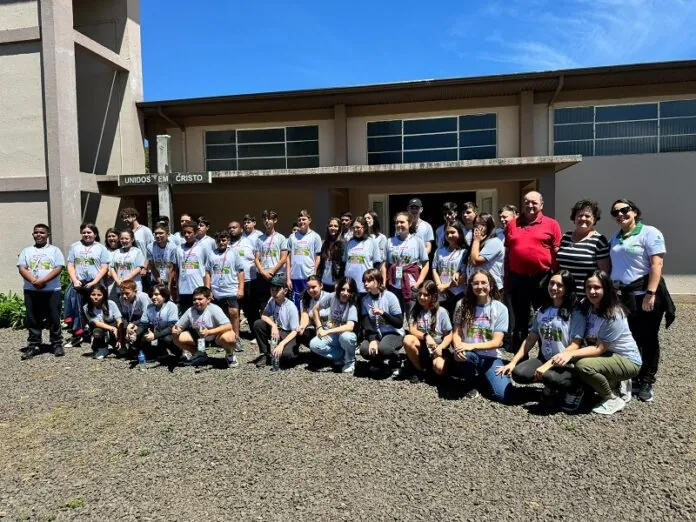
column 547, row 188
column 60, row 109
column 164, row 161
column 526, row 108
column 322, row 209
column 340, row 135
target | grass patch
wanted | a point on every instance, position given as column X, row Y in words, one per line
column 75, row 503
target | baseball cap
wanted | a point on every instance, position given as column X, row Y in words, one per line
column 279, row 280
column 415, row 202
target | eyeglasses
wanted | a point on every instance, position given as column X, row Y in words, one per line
column 623, row 211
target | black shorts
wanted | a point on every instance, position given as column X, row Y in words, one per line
column 227, row 302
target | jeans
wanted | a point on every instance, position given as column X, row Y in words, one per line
column 43, row 307
column 645, row 327
column 500, row 386
column 562, row 379
column 336, row 347
column 74, row 300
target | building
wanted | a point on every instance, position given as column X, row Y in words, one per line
column 70, row 75
column 600, row 133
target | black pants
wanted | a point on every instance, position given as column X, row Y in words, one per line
column 406, row 306
column 43, row 307
column 250, row 302
column 262, row 332
column 263, row 292
column 388, row 347
column 305, row 337
column 562, row 379
column 525, row 292
column 185, row 302
column 163, row 343
column 645, row 327
column 450, row 302
column 102, row 339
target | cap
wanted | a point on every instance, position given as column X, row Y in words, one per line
column 279, row 280
column 415, row 202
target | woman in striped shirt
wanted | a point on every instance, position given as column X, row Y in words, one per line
column 584, row 250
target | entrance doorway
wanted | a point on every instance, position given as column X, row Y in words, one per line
column 432, row 205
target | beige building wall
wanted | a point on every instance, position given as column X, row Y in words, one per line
column 508, row 129
column 662, row 185
column 19, row 14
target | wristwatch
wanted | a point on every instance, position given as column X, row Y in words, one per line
column 650, row 292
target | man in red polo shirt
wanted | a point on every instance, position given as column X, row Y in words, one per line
column 531, row 243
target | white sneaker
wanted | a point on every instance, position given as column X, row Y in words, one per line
column 348, row 368
column 610, row 406
column 626, row 390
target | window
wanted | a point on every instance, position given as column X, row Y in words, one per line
column 260, row 149
column 447, row 138
column 645, row 128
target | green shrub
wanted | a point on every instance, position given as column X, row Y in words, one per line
column 12, row 311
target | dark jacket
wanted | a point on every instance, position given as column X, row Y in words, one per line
column 663, row 299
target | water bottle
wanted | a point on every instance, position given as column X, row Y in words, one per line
column 275, row 366
column 141, row 357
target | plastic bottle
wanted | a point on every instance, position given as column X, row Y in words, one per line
column 141, row 357
column 275, row 366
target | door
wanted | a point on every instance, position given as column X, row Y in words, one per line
column 432, row 205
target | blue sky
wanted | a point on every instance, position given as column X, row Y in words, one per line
column 219, row 47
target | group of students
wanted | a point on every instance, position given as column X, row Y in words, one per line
column 356, row 291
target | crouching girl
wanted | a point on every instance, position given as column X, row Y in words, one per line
column 104, row 319
column 154, row 332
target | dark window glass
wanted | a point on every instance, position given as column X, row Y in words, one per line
column 477, row 122
column 581, row 131
column 574, row 147
column 308, row 132
column 215, row 137
column 678, row 143
column 390, row 144
column 476, row 138
column 678, row 126
column 384, row 128
column 574, row 115
column 221, row 151
column 221, row 165
column 383, row 158
column 627, row 129
column 625, row 146
column 421, row 156
column 306, row 162
column 261, row 163
column 261, row 136
column 626, row 112
column 303, row 148
column 430, row 126
column 430, row 141
column 477, row 153
column 674, row 109
column 261, row 151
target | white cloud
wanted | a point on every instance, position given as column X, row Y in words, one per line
column 541, row 35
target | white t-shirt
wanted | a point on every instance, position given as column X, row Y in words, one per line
column 438, row 327
column 359, row 257
column 554, row 332
column 211, row 317
column 191, row 261
column 488, row 319
column 630, row 257
column 303, row 250
column 405, row 252
column 41, row 261
column 88, row 259
column 425, row 231
column 340, row 313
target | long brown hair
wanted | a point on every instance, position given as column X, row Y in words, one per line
column 469, row 299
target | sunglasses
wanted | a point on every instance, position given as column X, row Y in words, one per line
column 623, row 211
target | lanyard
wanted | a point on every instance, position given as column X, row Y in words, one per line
column 190, row 252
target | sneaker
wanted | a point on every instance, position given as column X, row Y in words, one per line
column 473, row 393
column 645, row 393
column 232, row 361
column 416, row 377
column 610, row 406
column 74, row 342
column 122, row 351
column 30, row 352
column 239, row 346
column 635, row 386
column 573, row 400
column 58, row 351
column 101, row 354
column 348, row 368
column 262, row 361
column 197, row 359
column 626, row 391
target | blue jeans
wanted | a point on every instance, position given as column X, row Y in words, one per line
column 298, row 286
column 500, row 386
column 336, row 347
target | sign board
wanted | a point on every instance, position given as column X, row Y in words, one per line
column 170, row 178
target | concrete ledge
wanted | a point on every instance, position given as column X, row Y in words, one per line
column 23, row 184
column 558, row 163
column 100, row 52
column 25, row 34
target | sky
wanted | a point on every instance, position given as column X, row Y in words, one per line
column 223, row 47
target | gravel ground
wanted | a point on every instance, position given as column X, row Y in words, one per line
column 86, row 440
